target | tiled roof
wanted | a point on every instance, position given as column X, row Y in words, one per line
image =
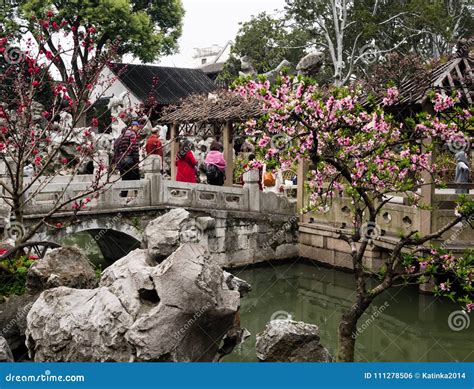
column 172, row 84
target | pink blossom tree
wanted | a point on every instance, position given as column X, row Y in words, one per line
column 33, row 136
column 369, row 157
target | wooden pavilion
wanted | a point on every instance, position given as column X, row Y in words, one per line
column 454, row 75
column 214, row 114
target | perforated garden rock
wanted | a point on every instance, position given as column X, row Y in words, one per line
column 178, row 310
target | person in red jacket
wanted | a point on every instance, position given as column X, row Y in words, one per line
column 186, row 163
column 153, row 144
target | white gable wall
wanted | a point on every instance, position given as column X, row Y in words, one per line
column 109, row 85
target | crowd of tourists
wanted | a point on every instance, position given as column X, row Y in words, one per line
column 126, row 157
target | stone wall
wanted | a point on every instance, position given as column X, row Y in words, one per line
column 240, row 240
column 320, row 243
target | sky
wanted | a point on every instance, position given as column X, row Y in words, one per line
column 209, row 22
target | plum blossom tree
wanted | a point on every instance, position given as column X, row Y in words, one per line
column 33, row 136
column 367, row 156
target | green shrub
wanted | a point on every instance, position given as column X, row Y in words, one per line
column 13, row 275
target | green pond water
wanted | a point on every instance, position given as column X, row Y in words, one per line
column 409, row 326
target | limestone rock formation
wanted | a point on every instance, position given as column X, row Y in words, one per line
column 236, row 283
column 65, row 266
column 311, row 63
column 164, row 234
column 13, row 313
column 68, row 324
column 246, row 67
column 274, row 73
column 178, row 310
column 5, row 352
column 291, row 341
column 194, row 309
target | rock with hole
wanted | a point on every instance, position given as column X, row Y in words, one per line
column 178, row 310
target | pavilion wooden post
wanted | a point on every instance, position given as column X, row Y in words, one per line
column 174, row 149
column 428, row 189
column 229, row 153
column 301, row 178
column 428, row 194
column 426, row 215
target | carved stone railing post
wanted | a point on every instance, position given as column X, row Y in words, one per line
column 152, row 166
column 300, row 191
column 104, row 160
column 4, row 175
column 251, row 180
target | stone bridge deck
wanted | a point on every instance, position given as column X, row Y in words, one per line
column 155, row 192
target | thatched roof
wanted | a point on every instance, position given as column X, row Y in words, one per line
column 219, row 107
column 456, row 75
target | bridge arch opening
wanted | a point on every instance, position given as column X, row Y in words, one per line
column 102, row 246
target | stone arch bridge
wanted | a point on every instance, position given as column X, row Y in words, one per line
column 116, row 220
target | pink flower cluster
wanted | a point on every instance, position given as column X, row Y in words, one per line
column 443, row 102
column 391, row 97
column 368, row 145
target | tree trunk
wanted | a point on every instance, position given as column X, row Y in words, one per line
column 348, row 329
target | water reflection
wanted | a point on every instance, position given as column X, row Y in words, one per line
column 409, row 327
column 89, row 246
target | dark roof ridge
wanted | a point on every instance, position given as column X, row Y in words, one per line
column 152, row 66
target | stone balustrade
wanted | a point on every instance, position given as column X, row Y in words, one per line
column 154, row 191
